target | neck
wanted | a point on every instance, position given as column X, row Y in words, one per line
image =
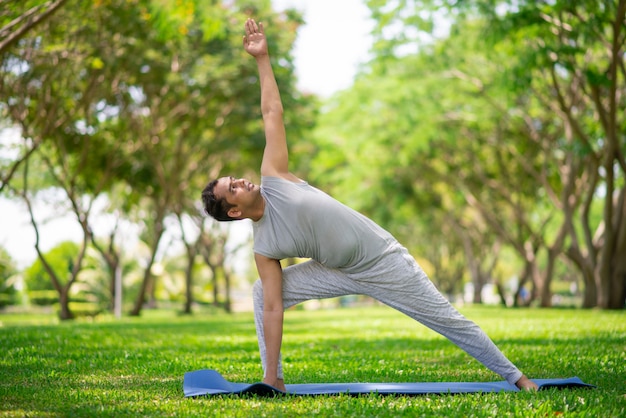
column 258, row 211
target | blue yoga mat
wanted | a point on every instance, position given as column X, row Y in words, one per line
column 210, row 382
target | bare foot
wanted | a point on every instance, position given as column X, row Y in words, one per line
column 280, row 385
column 525, row 383
column 276, row 383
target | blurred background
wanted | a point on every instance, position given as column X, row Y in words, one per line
column 488, row 136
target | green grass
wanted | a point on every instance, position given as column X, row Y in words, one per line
column 134, row 367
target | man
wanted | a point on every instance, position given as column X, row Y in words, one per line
column 349, row 253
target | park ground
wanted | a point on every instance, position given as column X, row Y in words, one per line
column 102, row 367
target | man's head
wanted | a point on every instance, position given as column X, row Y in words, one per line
column 217, row 207
column 230, row 199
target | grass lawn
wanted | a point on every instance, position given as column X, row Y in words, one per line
column 135, row 366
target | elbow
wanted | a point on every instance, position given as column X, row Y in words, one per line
column 272, row 112
column 273, row 313
column 273, row 307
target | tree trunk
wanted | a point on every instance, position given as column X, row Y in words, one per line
column 216, row 292
column 611, row 273
column 501, row 292
column 472, row 264
column 189, row 281
column 152, row 285
column 141, row 296
column 227, row 301
column 147, row 282
column 117, row 296
column 546, row 293
column 590, row 291
column 112, row 260
column 64, row 305
column 520, row 299
column 617, row 295
column 590, row 296
column 541, row 289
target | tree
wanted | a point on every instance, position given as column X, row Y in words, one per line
column 192, row 107
column 394, row 146
column 111, row 247
column 212, row 241
column 55, row 270
column 559, row 76
column 149, row 95
column 65, row 121
column 8, row 271
column 199, row 99
column 18, row 20
column 573, row 58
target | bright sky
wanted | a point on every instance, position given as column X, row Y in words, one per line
column 330, row 45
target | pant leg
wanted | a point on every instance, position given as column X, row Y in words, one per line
column 399, row 282
column 301, row 282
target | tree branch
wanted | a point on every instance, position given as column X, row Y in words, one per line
column 13, row 37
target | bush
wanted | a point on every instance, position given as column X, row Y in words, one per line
column 7, row 299
column 43, row 297
column 83, row 309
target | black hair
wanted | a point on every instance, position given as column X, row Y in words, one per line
column 217, row 208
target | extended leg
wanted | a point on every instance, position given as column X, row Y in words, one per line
column 399, row 282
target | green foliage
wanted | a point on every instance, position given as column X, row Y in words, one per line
column 143, row 101
column 136, row 366
column 456, row 143
column 155, row 93
column 7, row 266
column 8, row 271
column 491, row 134
column 61, row 260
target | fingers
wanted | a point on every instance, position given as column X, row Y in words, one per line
column 249, row 28
column 252, row 27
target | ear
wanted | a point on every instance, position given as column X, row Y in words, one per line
column 234, row 212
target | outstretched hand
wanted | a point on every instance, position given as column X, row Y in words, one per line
column 254, row 41
column 524, row 383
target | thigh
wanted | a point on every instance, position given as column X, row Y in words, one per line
column 407, row 288
column 398, row 281
column 311, row 280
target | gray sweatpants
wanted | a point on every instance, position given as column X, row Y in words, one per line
column 399, row 282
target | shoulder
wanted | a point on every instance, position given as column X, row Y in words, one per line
column 281, row 182
column 282, row 176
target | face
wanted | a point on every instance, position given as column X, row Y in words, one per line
column 238, row 192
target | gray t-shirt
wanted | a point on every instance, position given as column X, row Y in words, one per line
column 302, row 221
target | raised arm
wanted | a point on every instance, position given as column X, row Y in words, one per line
column 275, row 157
